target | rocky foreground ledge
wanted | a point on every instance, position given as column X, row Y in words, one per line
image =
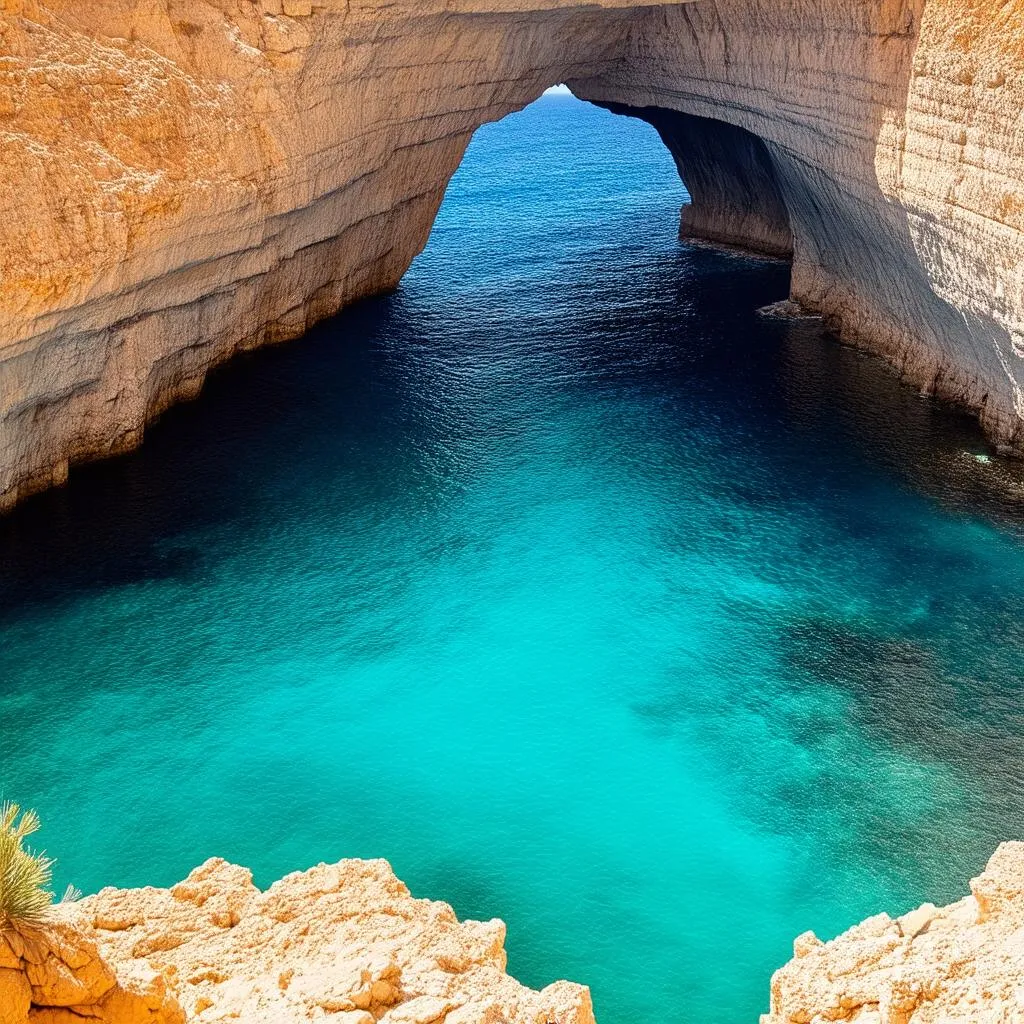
column 345, row 942
column 348, row 943
column 960, row 963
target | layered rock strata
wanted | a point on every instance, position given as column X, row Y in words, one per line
column 961, row 963
column 735, row 199
column 891, row 133
column 344, row 942
column 184, row 180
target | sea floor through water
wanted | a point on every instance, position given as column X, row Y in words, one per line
column 560, row 578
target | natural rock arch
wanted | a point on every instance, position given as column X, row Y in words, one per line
column 735, row 198
column 186, row 180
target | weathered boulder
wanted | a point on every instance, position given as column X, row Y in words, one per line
column 53, row 973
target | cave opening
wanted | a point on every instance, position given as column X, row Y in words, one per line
column 732, row 194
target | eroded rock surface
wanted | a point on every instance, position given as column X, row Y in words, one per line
column 183, row 180
column 343, row 942
column 55, row 974
column 348, row 943
column 892, row 139
column 951, row 965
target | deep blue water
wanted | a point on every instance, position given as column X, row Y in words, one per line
column 560, row 578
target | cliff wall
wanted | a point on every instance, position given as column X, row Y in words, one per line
column 892, row 138
column 183, row 180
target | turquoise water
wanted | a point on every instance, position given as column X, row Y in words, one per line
column 561, row 579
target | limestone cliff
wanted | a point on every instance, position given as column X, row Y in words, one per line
column 344, row 942
column 890, row 131
column 182, row 179
column 962, row 963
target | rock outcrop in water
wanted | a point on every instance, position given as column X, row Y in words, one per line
column 962, row 963
column 342, row 942
column 181, row 181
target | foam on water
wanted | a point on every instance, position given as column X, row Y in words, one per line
column 559, row 578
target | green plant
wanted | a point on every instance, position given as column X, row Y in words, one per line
column 24, row 875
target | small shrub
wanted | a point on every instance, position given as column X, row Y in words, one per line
column 24, row 875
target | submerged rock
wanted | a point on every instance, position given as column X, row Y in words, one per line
column 787, row 309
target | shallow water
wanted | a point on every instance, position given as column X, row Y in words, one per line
column 561, row 579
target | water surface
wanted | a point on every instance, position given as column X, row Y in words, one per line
column 588, row 597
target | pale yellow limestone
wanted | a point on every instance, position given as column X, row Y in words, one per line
column 341, row 942
column 961, row 964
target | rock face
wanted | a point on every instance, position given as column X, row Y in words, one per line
column 736, row 200
column 962, row 963
column 345, row 942
column 56, row 975
column 182, row 180
column 891, row 138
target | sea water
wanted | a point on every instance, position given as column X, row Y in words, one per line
column 560, row 578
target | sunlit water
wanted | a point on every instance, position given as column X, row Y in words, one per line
column 561, row 579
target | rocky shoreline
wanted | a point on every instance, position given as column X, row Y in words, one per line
column 347, row 942
column 961, row 963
